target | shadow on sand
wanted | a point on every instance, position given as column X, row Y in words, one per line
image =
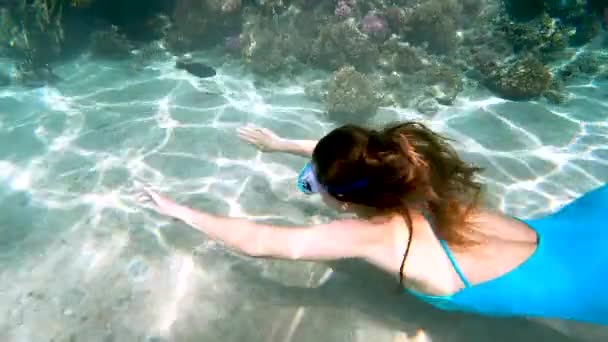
column 376, row 296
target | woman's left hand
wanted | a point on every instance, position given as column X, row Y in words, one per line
column 159, row 203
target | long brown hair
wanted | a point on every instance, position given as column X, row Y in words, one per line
column 404, row 166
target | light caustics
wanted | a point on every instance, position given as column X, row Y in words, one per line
column 143, row 141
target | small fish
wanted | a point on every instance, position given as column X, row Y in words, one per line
column 197, row 69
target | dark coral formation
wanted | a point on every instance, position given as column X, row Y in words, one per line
column 110, row 44
column 522, row 79
column 585, row 64
column 435, row 23
column 343, row 43
column 200, row 24
column 4, row 79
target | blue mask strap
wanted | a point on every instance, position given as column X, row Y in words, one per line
column 347, row 188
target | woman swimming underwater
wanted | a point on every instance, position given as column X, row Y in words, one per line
column 418, row 207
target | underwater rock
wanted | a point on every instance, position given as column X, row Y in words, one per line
column 426, row 105
column 148, row 53
column 110, row 44
column 444, row 83
column 555, row 97
column 316, row 91
column 342, row 43
column 556, row 93
column 350, row 96
column 523, row 79
column 196, row 68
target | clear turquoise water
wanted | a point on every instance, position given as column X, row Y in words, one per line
column 80, row 261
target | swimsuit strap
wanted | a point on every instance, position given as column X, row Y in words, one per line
column 453, row 261
column 446, row 248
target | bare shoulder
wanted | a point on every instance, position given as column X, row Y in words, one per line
column 386, row 241
column 499, row 226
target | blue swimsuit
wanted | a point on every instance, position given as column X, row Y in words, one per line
column 565, row 278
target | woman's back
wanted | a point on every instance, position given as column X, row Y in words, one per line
column 551, row 267
column 504, row 244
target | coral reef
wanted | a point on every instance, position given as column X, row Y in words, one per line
column 350, row 96
column 416, row 53
column 442, row 83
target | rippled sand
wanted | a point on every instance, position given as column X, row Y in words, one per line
column 80, row 261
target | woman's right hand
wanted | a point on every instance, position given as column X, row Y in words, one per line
column 263, row 139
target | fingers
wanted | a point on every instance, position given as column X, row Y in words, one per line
column 251, row 130
column 253, row 138
column 144, row 198
column 247, row 129
column 154, row 196
column 247, row 135
column 144, row 192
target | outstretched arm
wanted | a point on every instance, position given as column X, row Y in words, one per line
column 267, row 141
column 336, row 240
column 302, row 148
